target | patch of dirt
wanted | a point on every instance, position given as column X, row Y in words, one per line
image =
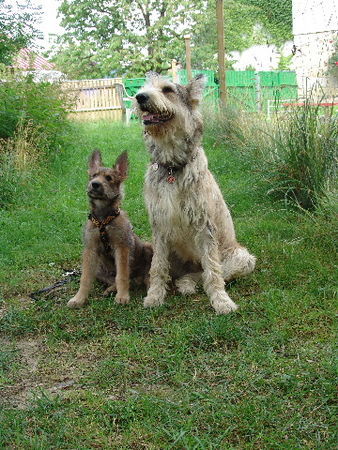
column 29, row 378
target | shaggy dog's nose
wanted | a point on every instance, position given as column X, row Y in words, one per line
column 142, row 98
column 96, row 185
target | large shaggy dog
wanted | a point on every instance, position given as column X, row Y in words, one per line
column 189, row 217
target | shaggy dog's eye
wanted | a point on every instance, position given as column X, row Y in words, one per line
column 167, row 90
column 95, row 175
column 108, row 178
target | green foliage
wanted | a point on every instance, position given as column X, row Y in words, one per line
column 107, row 38
column 243, row 24
column 275, row 16
column 42, row 104
column 17, row 27
column 33, row 122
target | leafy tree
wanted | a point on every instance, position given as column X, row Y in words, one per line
column 17, row 27
column 123, row 36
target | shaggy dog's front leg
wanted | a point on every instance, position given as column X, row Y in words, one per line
column 212, row 276
column 159, row 274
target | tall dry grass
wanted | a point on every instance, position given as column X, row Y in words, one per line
column 295, row 152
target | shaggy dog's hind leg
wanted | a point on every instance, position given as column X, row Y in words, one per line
column 187, row 284
column 237, row 263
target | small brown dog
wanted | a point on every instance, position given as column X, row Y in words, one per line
column 113, row 253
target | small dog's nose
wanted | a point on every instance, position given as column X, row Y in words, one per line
column 142, row 98
column 96, row 185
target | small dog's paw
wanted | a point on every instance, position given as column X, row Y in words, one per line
column 150, row 301
column 109, row 290
column 223, row 304
column 122, row 299
column 76, row 302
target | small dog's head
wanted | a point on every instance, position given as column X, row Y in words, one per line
column 162, row 104
column 105, row 183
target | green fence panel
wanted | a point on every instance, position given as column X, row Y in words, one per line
column 209, row 75
column 240, row 78
column 132, row 85
column 246, row 89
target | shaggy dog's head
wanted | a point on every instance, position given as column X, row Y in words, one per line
column 163, row 105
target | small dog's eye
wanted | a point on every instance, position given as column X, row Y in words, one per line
column 95, row 175
column 108, row 178
column 167, row 90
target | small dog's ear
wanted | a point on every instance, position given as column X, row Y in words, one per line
column 195, row 90
column 95, row 161
column 121, row 165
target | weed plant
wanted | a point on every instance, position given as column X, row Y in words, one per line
column 303, row 155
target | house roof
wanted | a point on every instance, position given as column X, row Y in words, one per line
column 29, row 60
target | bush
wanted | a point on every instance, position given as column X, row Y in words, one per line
column 33, row 122
column 44, row 105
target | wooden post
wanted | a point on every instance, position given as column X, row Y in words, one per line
column 188, row 57
column 221, row 51
column 174, row 70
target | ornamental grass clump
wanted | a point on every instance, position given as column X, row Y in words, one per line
column 303, row 157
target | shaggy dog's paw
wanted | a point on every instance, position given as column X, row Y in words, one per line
column 223, row 304
column 150, row 302
column 186, row 285
column 122, row 299
column 76, row 302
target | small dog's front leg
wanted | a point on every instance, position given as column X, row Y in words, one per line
column 89, row 266
column 122, row 275
column 212, row 276
column 159, row 274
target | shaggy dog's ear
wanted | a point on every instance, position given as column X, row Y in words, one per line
column 195, row 90
column 95, row 161
column 151, row 76
column 121, row 165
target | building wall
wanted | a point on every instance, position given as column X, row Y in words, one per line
column 315, row 29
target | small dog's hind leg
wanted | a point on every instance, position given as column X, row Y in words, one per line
column 122, row 275
column 159, row 274
column 89, row 267
column 109, row 290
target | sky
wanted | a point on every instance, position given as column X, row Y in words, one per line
column 49, row 23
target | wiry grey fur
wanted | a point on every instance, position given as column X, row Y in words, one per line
column 189, row 217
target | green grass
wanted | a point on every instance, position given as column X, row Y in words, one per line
column 112, row 376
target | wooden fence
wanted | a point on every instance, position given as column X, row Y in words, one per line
column 96, row 99
column 248, row 90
